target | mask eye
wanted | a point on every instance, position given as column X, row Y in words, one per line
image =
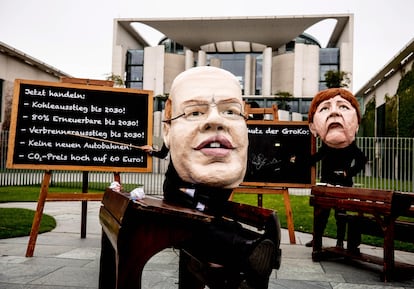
column 194, row 112
column 230, row 110
column 344, row 107
column 323, row 109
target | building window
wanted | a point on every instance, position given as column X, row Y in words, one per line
column 328, row 60
column 329, row 55
column 235, row 62
column 172, row 46
column 135, row 69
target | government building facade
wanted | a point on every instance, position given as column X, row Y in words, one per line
column 274, row 59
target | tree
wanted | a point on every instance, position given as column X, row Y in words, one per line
column 117, row 79
column 8, row 99
column 283, row 98
column 391, row 114
column 399, row 110
column 405, row 93
column 335, row 78
column 368, row 120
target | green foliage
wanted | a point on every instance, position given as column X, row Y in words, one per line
column 18, row 222
column 283, row 98
column 406, row 116
column 391, row 107
column 406, row 105
column 406, row 83
column 117, row 79
column 368, row 120
column 334, row 78
column 402, row 106
column 162, row 97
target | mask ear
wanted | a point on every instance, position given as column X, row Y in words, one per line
column 312, row 129
column 167, row 125
column 166, row 134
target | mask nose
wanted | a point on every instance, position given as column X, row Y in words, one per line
column 214, row 120
column 335, row 111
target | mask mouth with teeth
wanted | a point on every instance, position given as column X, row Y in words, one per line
column 217, row 146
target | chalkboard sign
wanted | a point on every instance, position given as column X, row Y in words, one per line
column 79, row 127
column 278, row 154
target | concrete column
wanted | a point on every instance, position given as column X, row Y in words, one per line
column 189, row 59
column 253, row 76
column 248, row 75
column 298, row 70
column 267, row 72
column 215, row 62
column 202, row 58
column 154, row 73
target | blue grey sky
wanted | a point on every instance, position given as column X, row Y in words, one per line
column 76, row 36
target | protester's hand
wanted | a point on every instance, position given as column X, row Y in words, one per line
column 147, row 148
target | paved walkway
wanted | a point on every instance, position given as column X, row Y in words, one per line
column 62, row 260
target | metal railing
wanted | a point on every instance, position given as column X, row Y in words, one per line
column 390, row 163
column 390, row 166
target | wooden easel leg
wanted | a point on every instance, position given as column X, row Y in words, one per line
column 38, row 215
column 84, row 211
column 289, row 216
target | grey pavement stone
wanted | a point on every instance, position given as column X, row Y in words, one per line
column 78, row 277
column 298, row 284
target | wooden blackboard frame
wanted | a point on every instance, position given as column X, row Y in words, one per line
column 108, row 92
column 283, row 184
column 269, row 187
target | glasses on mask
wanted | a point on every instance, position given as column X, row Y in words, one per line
column 197, row 112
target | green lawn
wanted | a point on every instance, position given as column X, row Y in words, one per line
column 16, row 222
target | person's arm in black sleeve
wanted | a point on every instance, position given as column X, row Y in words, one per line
column 162, row 153
column 360, row 161
column 316, row 157
column 310, row 160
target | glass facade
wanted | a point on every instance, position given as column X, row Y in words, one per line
column 171, row 46
column 134, row 69
column 328, row 60
column 235, row 63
